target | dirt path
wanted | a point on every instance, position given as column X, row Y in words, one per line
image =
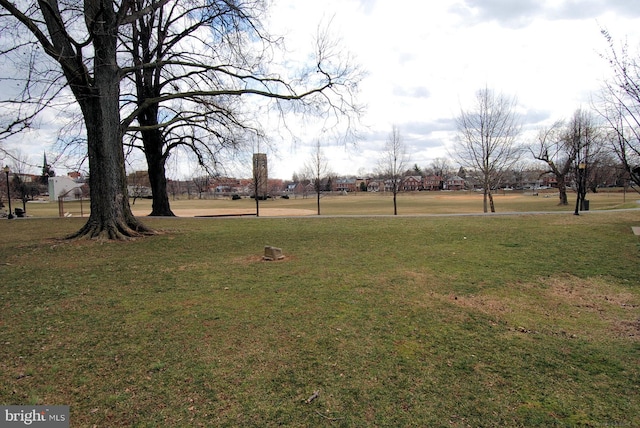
column 208, row 212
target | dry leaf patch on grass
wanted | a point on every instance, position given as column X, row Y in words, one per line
column 563, row 305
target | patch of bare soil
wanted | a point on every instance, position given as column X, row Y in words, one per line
column 587, row 307
column 595, row 297
column 477, row 195
column 249, row 260
column 222, row 212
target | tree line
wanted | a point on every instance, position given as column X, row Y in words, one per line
column 576, row 148
column 585, row 151
column 603, row 140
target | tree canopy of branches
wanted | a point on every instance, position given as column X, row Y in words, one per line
column 552, row 148
column 564, row 146
column 440, row 167
column 197, row 71
column 82, row 42
column 180, row 74
column 487, row 139
column 394, row 163
column 620, row 106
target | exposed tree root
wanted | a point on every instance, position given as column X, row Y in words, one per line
column 112, row 230
column 162, row 213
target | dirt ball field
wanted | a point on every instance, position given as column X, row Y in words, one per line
column 221, row 212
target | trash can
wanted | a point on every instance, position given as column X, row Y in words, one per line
column 585, row 205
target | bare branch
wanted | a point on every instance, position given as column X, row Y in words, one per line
column 487, row 139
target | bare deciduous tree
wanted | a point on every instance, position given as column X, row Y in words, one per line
column 317, row 168
column 556, row 151
column 196, row 83
column 201, row 183
column 570, row 150
column 586, row 138
column 394, row 163
column 260, row 179
column 620, row 106
column 82, row 41
column 25, row 190
column 440, row 167
column 184, row 73
column 487, row 139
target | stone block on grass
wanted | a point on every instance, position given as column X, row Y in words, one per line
column 272, row 253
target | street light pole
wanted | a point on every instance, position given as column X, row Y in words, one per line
column 6, row 171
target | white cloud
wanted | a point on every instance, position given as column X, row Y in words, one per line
column 427, row 59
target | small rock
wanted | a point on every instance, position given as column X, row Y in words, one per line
column 272, row 253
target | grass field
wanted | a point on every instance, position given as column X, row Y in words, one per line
column 494, row 321
column 413, row 203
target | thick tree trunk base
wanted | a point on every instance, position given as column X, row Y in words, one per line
column 112, row 230
column 160, row 206
column 562, row 195
column 162, row 213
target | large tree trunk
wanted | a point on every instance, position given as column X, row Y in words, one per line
column 153, row 142
column 562, row 190
column 96, row 88
column 491, row 203
column 153, row 146
column 111, row 215
column 395, row 202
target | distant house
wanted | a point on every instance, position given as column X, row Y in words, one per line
column 375, row 186
column 433, row 182
column 550, row 181
column 222, row 188
column 291, row 188
column 26, row 178
column 346, row 185
column 411, row 183
column 301, row 188
column 309, row 188
column 65, row 188
column 389, row 185
column 226, row 186
column 361, row 184
column 139, row 191
column 454, row 183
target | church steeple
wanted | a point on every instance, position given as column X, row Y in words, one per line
column 45, row 166
column 46, row 170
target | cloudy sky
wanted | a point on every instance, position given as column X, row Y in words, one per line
column 426, row 60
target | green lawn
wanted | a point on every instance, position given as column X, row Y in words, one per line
column 505, row 321
column 372, row 203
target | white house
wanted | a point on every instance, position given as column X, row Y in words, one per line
column 63, row 187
